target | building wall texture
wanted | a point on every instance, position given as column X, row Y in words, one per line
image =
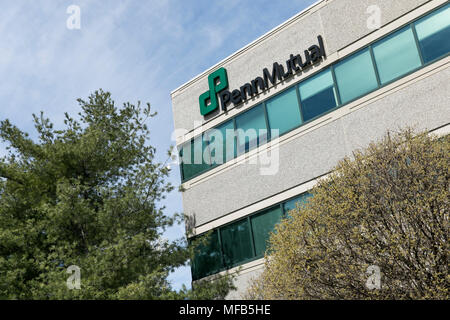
column 317, row 152
column 340, row 22
column 420, row 102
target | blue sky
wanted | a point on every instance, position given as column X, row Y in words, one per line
column 137, row 50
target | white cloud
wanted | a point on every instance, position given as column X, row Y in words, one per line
column 135, row 49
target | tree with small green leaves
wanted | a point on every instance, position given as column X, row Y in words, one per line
column 377, row 227
column 88, row 196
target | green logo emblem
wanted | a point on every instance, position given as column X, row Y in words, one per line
column 217, row 82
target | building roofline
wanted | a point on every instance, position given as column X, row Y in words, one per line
column 268, row 34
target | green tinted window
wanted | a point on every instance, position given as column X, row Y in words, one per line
column 186, row 159
column 433, row 33
column 221, row 143
column 262, row 224
column 317, row 95
column 236, row 242
column 251, row 129
column 283, row 111
column 208, row 258
column 355, row 76
column 291, row 204
column 396, row 55
column 195, row 158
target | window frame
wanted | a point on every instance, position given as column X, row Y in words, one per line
column 352, row 55
column 370, row 45
column 413, row 23
column 298, row 105
column 248, row 217
column 385, row 37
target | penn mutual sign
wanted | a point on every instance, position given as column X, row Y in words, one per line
column 218, row 80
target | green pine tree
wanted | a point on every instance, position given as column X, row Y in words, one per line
column 88, row 196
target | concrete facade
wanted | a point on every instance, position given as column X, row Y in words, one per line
column 420, row 99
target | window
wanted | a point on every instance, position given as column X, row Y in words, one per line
column 396, row 55
column 262, row 224
column 355, row 76
column 238, row 246
column 391, row 57
column 236, row 242
column 221, row 143
column 186, row 159
column 317, row 95
column 208, row 258
column 291, row 204
column 195, row 157
column 433, row 33
column 283, row 111
column 251, row 129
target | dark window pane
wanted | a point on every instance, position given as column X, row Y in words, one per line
column 180, row 155
column 221, row 143
column 396, row 55
column 291, row 204
column 355, row 76
column 317, row 95
column 251, row 129
column 236, row 243
column 262, row 224
column 208, row 258
column 185, row 158
column 283, row 111
column 194, row 157
column 433, row 32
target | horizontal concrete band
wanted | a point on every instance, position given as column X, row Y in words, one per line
column 342, row 35
column 278, row 198
column 421, row 102
column 245, row 274
column 323, row 120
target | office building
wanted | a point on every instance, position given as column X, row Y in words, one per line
column 257, row 130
